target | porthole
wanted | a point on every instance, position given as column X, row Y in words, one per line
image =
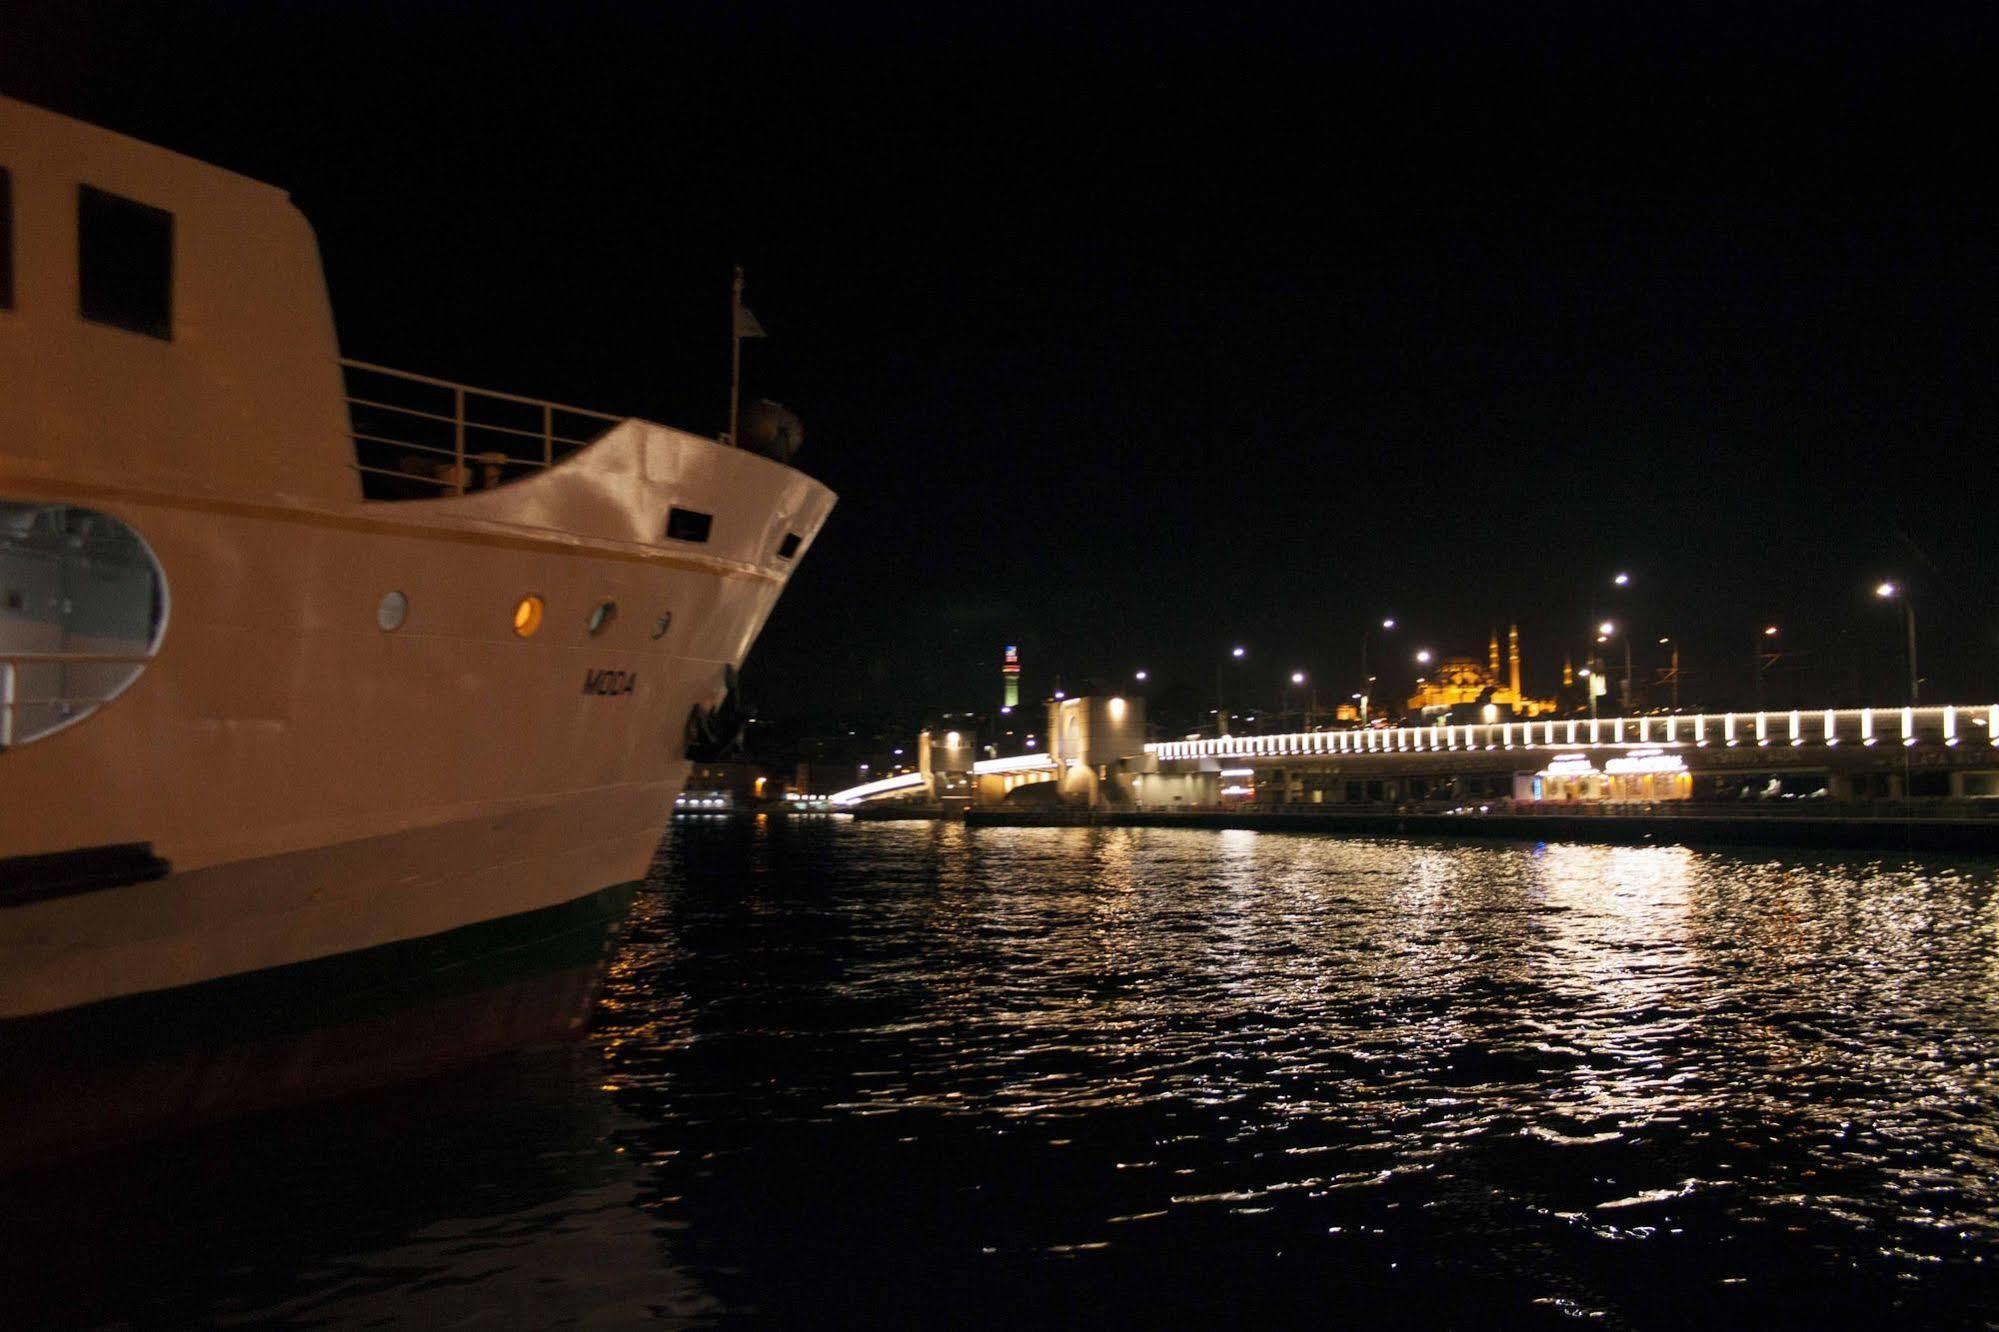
column 83, row 606
column 527, row 616
column 601, row 618
column 662, row 624
column 390, row 613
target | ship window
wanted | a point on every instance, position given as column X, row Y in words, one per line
column 527, row 616
column 393, row 609
column 688, row 525
column 125, row 263
column 600, row 618
column 788, row 547
column 661, row 625
column 82, row 606
column 6, row 240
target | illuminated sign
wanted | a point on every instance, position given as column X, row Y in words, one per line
column 1569, row 765
column 1643, row 761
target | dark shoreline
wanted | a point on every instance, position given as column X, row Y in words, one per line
column 1818, row 831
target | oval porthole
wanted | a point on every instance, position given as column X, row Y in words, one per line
column 393, row 610
column 601, row 618
column 83, row 606
column 661, row 625
column 527, row 616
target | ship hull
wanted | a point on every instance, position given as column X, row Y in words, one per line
column 164, row 1061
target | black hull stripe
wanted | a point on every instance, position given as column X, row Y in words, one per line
column 25, row 879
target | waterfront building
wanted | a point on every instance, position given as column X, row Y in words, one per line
column 1461, row 681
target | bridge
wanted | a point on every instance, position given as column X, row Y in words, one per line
column 1834, row 753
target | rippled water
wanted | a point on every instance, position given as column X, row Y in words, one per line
column 903, row 1072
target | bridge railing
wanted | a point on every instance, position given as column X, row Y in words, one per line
column 1947, row 725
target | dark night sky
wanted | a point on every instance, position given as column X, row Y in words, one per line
column 1126, row 340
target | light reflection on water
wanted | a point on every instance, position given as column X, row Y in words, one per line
column 1168, row 1072
column 889, row 1073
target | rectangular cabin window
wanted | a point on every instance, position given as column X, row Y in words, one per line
column 125, row 263
column 6, row 240
column 688, row 525
column 788, row 547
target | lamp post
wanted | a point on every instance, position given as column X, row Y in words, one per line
column 1764, row 658
column 1297, row 681
column 1366, row 680
column 1896, row 592
column 1674, row 676
column 1604, row 633
column 1236, row 653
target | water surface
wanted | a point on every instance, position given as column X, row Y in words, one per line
column 904, row 1072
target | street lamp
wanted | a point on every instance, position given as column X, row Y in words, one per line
column 1674, row 677
column 1607, row 631
column 1366, row 680
column 1896, row 592
column 1622, row 580
column 1423, row 656
column 1764, row 657
column 1140, row 676
column 1237, row 652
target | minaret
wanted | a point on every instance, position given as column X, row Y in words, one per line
column 1010, row 678
column 1513, row 660
column 1568, row 673
column 1492, row 656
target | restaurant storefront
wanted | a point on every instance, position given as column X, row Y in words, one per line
column 1639, row 776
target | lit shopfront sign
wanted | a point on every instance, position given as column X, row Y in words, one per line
column 1640, row 761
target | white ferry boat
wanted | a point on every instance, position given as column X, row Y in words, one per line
column 339, row 707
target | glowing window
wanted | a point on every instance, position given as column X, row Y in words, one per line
column 601, row 618
column 527, row 616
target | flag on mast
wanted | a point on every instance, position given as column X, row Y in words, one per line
column 746, row 323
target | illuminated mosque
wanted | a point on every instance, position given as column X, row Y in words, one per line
column 1458, row 681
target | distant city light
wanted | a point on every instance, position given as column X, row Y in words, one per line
column 1140, row 675
column 1622, row 580
column 1297, row 677
column 1770, row 631
column 1886, row 590
column 1239, row 653
column 1388, row 623
column 1060, row 694
column 1423, row 657
column 1607, row 628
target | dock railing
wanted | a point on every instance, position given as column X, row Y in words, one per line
column 416, row 436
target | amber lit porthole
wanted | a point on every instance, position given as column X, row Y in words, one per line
column 601, row 618
column 527, row 616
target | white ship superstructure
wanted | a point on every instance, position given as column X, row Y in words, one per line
column 339, row 706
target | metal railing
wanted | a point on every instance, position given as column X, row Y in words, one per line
column 421, row 437
column 12, row 703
